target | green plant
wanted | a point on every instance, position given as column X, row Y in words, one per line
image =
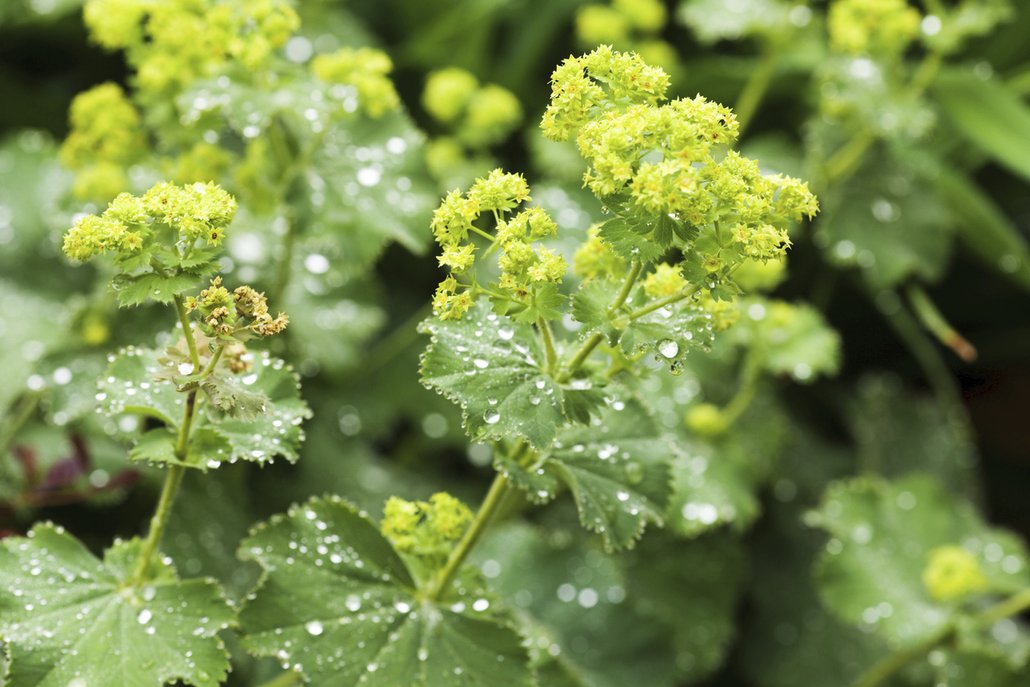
column 673, row 485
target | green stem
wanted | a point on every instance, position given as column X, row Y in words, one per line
column 757, row 85
column 1014, row 605
column 847, row 159
column 488, row 237
column 926, row 355
column 159, row 521
column 934, row 321
column 662, row 302
column 627, row 287
column 745, row 394
column 282, row 277
column 173, row 480
column 891, row 664
column 498, row 489
column 187, row 331
column 548, row 339
column 881, row 671
column 595, row 339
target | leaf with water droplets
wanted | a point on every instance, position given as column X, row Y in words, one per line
column 882, row 533
column 138, row 289
column 339, row 605
column 133, row 385
column 979, row 669
column 232, row 396
column 71, row 619
column 590, row 308
column 788, row 338
column 276, row 430
column 496, row 380
column 888, row 220
column 207, row 448
column 618, row 471
column 669, row 333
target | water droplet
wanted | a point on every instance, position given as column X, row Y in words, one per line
column 144, row 616
column 314, row 628
column 668, row 348
column 491, row 417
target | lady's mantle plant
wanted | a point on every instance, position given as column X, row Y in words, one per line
column 397, row 604
column 69, row 618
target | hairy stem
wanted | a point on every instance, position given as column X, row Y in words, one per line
column 934, row 321
column 549, row 350
column 173, row 480
column 594, row 340
column 498, row 489
column 627, row 287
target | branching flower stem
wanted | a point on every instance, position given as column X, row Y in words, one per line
column 891, row 664
column 173, row 480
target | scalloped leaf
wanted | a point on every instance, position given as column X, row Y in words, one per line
column 138, row 289
column 338, row 604
column 207, row 449
column 618, row 469
column 882, row 533
column 491, row 367
column 276, row 430
column 70, row 619
column 133, row 385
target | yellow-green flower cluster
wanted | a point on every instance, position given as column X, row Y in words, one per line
column 670, row 158
column 199, row 211
column 425, row 528
column 872, row 27
column 523, row 264
column 584, row 87
column 194, row 212
column 480, row 115
column 367, row 70
column 629, row 24
column 173, row 42
column 952, row 573
column 666, row 280
column 106, row 137
column 235, row 315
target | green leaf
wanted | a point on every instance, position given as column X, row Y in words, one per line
column 882, row 533
column 276, row 430
column 570, row 596
column 338, row 604
column 889, row 220
column 139, row 289
column 71, row 619
column 788, row 338
column 590, row 308
column 713, row 488
column 984, row 228
column 631, row 239
column 897, row 432
column 132, row 385
column 207, row 448
column 618, row 470
column 669, row 333
column 491, row 367
column 995, row 119
column 230, row 395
